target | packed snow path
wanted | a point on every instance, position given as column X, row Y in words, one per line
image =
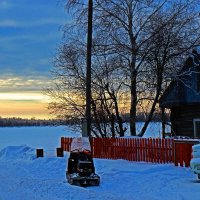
column 25, row 177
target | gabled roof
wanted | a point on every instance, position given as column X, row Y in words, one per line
column 185, row 89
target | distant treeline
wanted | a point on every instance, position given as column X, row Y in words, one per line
column 13, row 122
column 17, row 122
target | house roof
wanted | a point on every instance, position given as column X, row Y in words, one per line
column 185, row 89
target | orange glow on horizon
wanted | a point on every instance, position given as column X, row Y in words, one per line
column 24, row 105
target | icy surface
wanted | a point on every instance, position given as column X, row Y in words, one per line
column 37, row 137
column 25, row 177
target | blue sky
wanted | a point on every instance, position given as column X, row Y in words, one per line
column 29, row 35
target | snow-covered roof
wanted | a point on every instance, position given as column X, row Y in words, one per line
column 184, row 88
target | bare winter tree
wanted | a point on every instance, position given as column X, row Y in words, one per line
column 171, row 45
column 72, row 4
column 68, row 91
column 149, row 36
column 142, row 42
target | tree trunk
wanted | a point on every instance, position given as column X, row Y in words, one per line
column 133, row 104
column 158, row 91
column 144, row 128
column 133, row 108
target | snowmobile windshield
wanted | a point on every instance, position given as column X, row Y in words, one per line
column 80, row 145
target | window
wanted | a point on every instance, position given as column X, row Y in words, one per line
column 196, row 123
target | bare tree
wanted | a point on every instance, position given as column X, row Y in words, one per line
column 172, row 44
column 147, row 33
column 73, row 4
column 139, row 43
column 68, row 91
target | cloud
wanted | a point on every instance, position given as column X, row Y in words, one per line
column 11, row 83
column 7, row 23
column 24, row 109
column 29, row 37
column 26, row 14
column 26, row 24
column 20, row 97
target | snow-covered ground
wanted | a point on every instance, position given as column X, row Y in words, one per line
column 36, row 137
column 25, row 177
column 49, row 137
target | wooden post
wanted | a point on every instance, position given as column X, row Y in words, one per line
column 62, row 143
column 59, row 152
column 39, row 153
column 88, row 68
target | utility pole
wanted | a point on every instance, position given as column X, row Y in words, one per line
column 88, row 69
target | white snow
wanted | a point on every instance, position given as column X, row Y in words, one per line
column 154, row 130
column 196, row 147
column 25, row 177
column 37, row 137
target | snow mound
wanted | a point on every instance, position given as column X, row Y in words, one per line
column 196, row 147
column 17, row 152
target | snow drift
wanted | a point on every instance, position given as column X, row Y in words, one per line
column 22, row 176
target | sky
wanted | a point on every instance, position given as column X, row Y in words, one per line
column 30, row 32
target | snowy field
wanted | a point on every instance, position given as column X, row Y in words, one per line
column 25, row 177
column 36, row 137
column 49, row 137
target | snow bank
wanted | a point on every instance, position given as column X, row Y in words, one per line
column 17, row 152
column 44, row 179
column 196, row 147
column 25, row 177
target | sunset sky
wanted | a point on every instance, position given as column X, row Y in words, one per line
column 29, row 35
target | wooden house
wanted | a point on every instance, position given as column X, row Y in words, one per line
column 182, row 97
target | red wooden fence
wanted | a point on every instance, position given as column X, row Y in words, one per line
column 66, row 143
column 140, row 149
column 148, row 150
column 133, row 149
column 183, row 151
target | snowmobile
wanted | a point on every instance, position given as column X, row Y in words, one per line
column 81, row 170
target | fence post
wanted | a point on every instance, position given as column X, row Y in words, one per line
column 59, row 152
column 62, row 143
column 39, row 153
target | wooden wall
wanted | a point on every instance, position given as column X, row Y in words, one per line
column 182, row 119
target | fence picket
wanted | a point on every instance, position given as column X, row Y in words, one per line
column 166, row 152
column 153, row 150
column 150, row 158
column 181, row 147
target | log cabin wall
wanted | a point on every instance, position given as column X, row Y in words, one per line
column 182, row 119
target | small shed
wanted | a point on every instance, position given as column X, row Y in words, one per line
column 182, row 97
